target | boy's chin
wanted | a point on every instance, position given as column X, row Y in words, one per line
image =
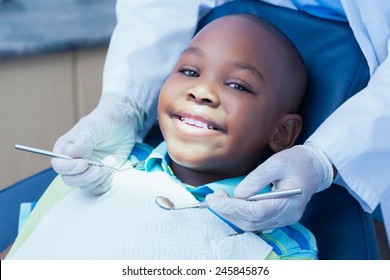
column 191, row 163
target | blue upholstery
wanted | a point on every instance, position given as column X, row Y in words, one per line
column 337, row 70
column 27, row 190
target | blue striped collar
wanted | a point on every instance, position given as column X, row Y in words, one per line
column 159, row 160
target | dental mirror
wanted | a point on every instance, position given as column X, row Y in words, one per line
column 167, row 204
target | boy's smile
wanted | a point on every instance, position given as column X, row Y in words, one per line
column 194, row 123
column 197, row 122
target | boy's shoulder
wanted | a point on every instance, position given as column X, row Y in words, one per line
column 292, row 242
column 140, row 152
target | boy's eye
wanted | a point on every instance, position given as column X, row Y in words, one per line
column 189, row 72
column 239, row 87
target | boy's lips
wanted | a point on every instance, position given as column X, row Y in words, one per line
column 198, row 122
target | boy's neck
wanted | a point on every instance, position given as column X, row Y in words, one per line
column 194, row 177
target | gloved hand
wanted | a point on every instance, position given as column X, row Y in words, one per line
column 107, row 134
column 304, row 166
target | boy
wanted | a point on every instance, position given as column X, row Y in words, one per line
column 230, row 101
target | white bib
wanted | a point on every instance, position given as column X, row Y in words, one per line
column 125, row 223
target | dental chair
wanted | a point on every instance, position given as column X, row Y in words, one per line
column 336, row 70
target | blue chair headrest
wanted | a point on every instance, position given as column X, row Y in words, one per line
column 335, row 64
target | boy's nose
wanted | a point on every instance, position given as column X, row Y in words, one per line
column 205, row 95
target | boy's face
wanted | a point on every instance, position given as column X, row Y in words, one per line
column 220, row 105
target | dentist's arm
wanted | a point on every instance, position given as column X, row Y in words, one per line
column 361, row 147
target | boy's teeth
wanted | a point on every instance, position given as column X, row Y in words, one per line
column 196, row 123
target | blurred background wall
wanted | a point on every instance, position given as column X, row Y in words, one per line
column 51, row 61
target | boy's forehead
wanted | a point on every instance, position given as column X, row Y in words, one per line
column 238, row 34
column 232, row 24
column 235, row 31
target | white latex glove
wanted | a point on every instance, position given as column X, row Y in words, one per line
column 107, row 134
column 304, row 166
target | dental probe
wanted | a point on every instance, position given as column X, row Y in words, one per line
column 55, row 155
column 167, row 204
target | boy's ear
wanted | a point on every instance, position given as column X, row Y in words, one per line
column 286, row 132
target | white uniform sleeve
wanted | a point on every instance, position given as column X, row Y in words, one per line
column 357, row 139
column 148, row 38
column 356, row 136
